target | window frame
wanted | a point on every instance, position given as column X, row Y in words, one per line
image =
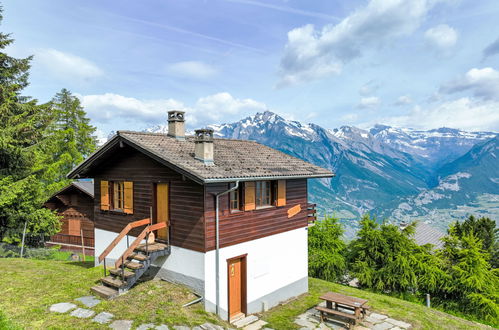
column 264, row 195
column 239, row 198
column 114, row 199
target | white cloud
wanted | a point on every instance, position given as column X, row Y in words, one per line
column 441, row 37
column 192, row 69
column 464, row 113
column 369, row 102
column 67, row 66
column 403, row 100
column 484, row 83
column 315, row 53
column 104, row 108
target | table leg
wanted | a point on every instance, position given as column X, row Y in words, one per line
column 357, row 312
column 329, row 304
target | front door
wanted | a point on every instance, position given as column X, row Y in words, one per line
column 237, row 275
column 162, row 209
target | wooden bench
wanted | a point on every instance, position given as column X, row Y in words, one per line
column 327, row 311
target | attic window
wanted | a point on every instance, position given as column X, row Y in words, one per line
column 263, row 192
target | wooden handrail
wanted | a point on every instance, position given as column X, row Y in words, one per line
column 123, row 233
column 137, row 241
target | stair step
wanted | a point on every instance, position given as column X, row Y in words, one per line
column 133, row 265
column 104, row 291
column 113, row 281
column 138, row 256
column 245, row 321
column 118, row 272
column 153, row 247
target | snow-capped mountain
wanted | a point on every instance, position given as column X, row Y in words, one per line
column 387, row 171
column 433, row 147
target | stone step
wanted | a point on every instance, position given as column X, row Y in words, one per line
column 245, row 321
column 104, row 291
column 133, row 264
column 113, row 281
column 138, row 256
column 118, row 272
column 256, row 325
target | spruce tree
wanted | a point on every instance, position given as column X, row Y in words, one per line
column 326, row 250
column 22, row 130
column 69, row 140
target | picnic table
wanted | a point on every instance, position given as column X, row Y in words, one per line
column 333, row 299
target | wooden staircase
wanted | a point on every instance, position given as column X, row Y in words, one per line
column 133, row 263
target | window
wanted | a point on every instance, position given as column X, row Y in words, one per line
column 235, row 199
column 116, row 196
column 118, row 193
column 263, row 193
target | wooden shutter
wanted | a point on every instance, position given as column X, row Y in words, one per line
column 249, row 196
column 281, row 192
column 128, row 209
column 74, row 227
column 104, row 195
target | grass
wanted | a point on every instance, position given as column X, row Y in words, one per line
column 29, row 287
column 419, row 316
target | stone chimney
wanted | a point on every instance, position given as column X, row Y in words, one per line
column 176, row 124
column 204, row 145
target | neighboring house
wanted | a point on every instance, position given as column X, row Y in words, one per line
column 75, row 203
column 426, row 234
column 263, row 212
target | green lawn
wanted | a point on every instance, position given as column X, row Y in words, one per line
column 419, row 316
column 30, row 286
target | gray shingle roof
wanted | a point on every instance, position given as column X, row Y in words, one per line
column 233, row 159
column 86, row 186
column 427, row 234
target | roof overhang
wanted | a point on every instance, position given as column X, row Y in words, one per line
column 269, row 177
column 84, row 166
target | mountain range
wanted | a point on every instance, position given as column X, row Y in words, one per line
column 399, row 174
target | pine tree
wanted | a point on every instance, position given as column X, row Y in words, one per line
column 22, row 128
column 69, row 140
column 326, row 250
column 485, row 229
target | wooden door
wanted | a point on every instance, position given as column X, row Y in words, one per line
column 162, row 210
column 236, row 286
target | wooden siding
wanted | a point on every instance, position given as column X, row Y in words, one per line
column 186, row 197
column 73, row 205
column 245, row 226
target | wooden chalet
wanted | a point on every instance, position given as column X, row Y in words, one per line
column 75, row 204
column 247, row 257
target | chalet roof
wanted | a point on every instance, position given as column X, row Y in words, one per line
column 426, row 234
column 242, row 160
column 87, row 187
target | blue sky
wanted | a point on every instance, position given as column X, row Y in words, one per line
column 412, row 63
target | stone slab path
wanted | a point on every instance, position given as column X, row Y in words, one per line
column 311, row 320
column 107, row 318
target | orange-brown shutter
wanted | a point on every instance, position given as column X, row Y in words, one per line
column 249, row 196
column 104, row 195
column 281, row 192
column 74, row 227
column 128, row 197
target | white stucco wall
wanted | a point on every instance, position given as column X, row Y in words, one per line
column 183, row 261
column 273, row 263
column 102, row 240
